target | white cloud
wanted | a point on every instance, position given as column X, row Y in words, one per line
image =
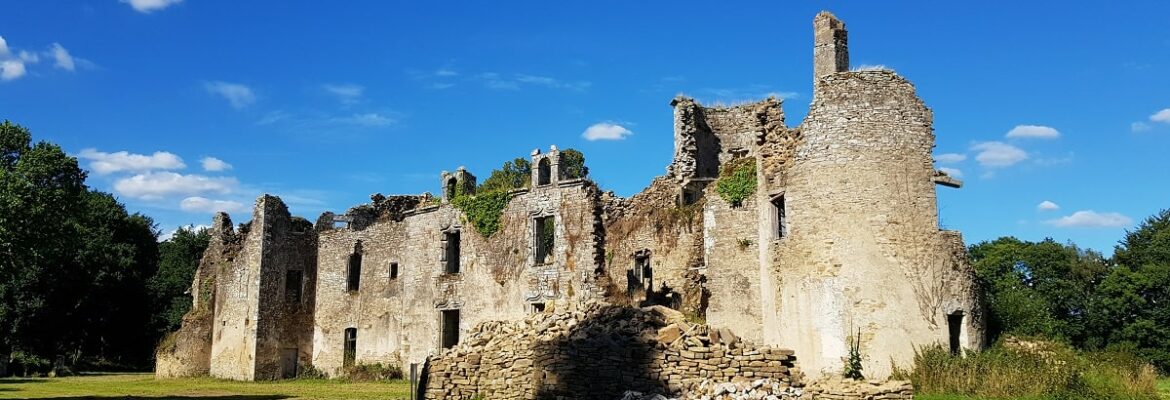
column 1092, row 219
column 873, row 67
column 1139, row 127
column 1047, row 206
column 149, row 6
column 214, row 164
column 238, row 95
column 496, row 81
column 61, row 57
column 445, row 72
column 11, row 69
column 950, row 158
column 348, row 93
column 1033, row 132
column 952, row 172
column 1161, row 116
column 205, row 205
column 998, row 154
column 156, row 185
column 367, row 120
column 105, row 163
column 606, row 131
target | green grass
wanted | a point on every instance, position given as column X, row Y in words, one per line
column 124, row 386
column 1164, row 387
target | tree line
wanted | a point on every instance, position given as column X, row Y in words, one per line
column 83, row 282
column 1080, row 297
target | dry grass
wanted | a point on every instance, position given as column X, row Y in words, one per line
column 1050, row 371
column 128, row 386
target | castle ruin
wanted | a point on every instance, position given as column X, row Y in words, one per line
column 839, row 237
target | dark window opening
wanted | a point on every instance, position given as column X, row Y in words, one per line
column 451, row 252
column 452, row 185
column 642, row 275
column 450, row 328
column 955, row 328
column 545, row 231
column 779, row 220
column 293, row 282
column 543, row 172
column 537, row 308
column 393, row 270
column 350, row 347
column 355, row 272
column 687, row 197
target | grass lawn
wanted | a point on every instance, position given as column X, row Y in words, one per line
column 125, row 386
column 1164, row 387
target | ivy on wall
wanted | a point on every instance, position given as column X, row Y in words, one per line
column 483, row 210
column 737, row 180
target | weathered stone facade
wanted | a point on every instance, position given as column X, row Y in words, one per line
column 839, row 236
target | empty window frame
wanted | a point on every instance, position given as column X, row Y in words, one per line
column 645, row 271
column 451, row 252
column 452, row 187
column 544, row 172
column 779, row 218
column 350, row 352
column 393, row 270
column 354, row 274
column 544, row 230
column 293, row 284
column 450, row 328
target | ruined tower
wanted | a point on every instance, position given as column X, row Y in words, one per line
column 831, row 49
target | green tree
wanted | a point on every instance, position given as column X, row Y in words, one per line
column 572, row 164
column 178, row 260
column 72, row 262
column 513, row 174
column 1132, row 308
column 1038, row 288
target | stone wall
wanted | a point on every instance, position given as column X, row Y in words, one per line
column 187, row 352
column 599, row 351
column 863, row 250
column 652, row 224
column 398, row 319
column 284, row 323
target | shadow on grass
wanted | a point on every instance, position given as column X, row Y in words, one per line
column 10, row 381
column 231, row 397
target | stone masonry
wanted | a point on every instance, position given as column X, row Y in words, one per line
column 840, row 235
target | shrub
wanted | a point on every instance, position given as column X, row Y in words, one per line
column 737, row 181
column 308, row 371
column 371, row 372
column 853, row 366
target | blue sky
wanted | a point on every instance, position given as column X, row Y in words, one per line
column 184, row 107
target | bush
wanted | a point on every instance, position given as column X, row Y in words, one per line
column 372, row 372
column 308, row 371
column 1030, row 369
column 737, row 181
